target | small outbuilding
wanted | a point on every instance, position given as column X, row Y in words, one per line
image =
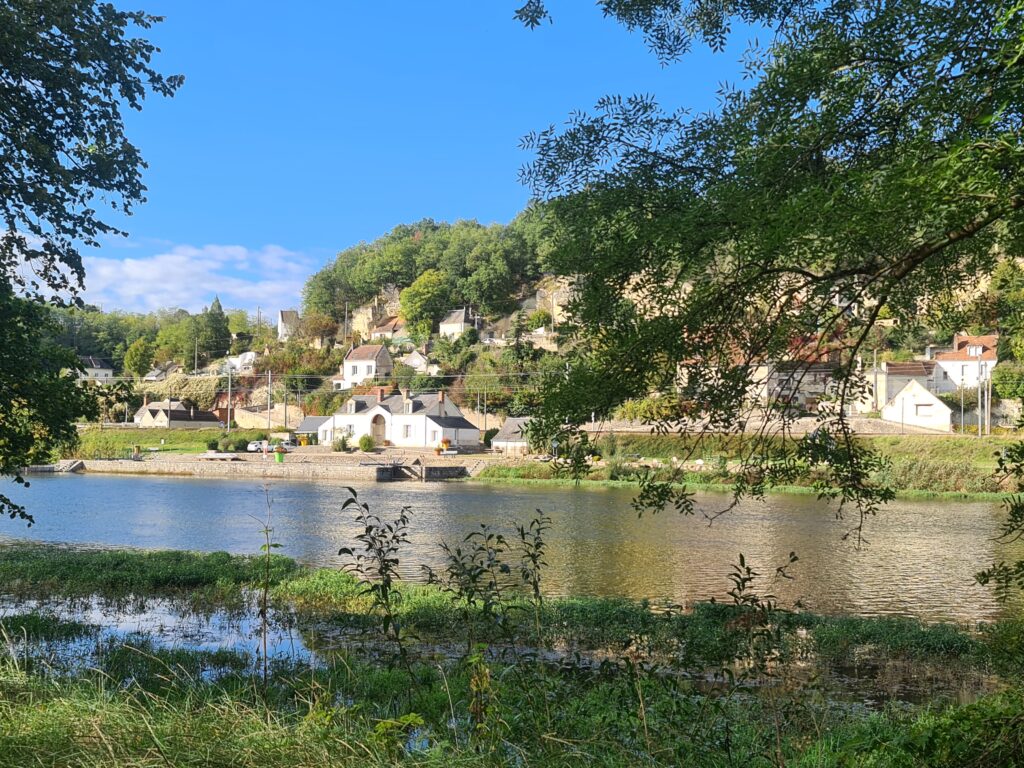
column 510, row 439
column 915, row 406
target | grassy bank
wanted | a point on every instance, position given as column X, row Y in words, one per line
column 921, row 466
column 95, row 443
column 644, row 699
column 525, row 475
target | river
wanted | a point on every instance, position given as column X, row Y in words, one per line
column 919, row 558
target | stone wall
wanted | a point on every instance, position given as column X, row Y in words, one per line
column 207, row 468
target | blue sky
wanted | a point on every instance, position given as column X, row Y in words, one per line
column 301, row 132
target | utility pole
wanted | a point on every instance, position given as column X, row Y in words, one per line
column 269, row 385
column 874, row 373
column 229, row 398
column 286, row 403
column 979, row 396
column 195, row 362
column 962, row 429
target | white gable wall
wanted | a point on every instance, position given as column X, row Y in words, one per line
column 917, row 407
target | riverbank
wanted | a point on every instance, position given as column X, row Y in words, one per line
column 513, row 476
column 494, row 679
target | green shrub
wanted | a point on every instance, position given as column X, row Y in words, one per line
column 212, row 445
column 366, row 443
column 340, row 444
column 489, row 436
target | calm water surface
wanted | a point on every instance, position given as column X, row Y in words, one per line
column 919, row 559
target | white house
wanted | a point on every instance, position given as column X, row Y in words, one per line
column 362, row 364
column 401, row 419
column 96, row 369
column 162, row 371
column 888, row 379
column 970, row 359
column 388, row 328
column 510, row 439
column 287, row 324
column 915, row 406
column 242, row 363
column 420, row 363
column 798, row 383
column 457, row 322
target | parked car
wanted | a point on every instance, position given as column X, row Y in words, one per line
column 255, row 446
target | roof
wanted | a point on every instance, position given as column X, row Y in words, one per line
column 389, row 325
column 310, row 425
column 421, row 403
column 366, row 352
column 799, row 365
column 453, row 422
column 962, row 344
column 914, row 368
column 456, row 316
column 162, row 369
column 197, row 415
column 288, row 316
column 915, row 390
column 512, row 430
column 95, row 362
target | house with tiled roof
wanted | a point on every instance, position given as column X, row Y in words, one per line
column 388, row 328
column 363, row 364
column 970, row 359
column 402, row 419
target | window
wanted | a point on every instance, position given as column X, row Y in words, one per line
column 963, row 372
column 974, row 350
column 351, row 406
column 369, row 370
column 433, row 435
column 350, row 430
column 407, row 431
column 355, row 370
column 922, row 409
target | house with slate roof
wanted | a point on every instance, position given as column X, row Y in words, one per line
column 174, row 414
column 288, row 323
column 363, row 364
column 96, row 369
column 457, row 322
column 402, row 419
column 510, row 439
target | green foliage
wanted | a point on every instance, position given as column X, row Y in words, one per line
column 1008, row 380
column 340, row 445
column 481, row 266
column 138, row 358
column 367, row 444
column 38, row 569
column 64, row 144
column 540, row 318
column 700, row 244
column 427, row 299
column 41, row 397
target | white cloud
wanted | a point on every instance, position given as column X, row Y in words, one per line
column 189, row 277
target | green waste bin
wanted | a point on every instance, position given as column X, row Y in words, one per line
column 279, row 457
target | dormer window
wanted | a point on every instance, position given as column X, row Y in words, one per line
column 351, row 406
column 408, row 406
column 974, row 350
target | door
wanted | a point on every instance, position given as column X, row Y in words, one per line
column 377, row 429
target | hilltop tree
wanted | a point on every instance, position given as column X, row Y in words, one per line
column 67, row 70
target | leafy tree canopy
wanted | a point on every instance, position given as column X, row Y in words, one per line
column 484, row 266
column 873, row 162
column 68, row 68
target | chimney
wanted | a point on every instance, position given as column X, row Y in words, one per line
column 145, row 399
column 383, row 392
column 406, row 395
column 440, row 397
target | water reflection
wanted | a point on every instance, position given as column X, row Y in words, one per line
column 919, row 560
